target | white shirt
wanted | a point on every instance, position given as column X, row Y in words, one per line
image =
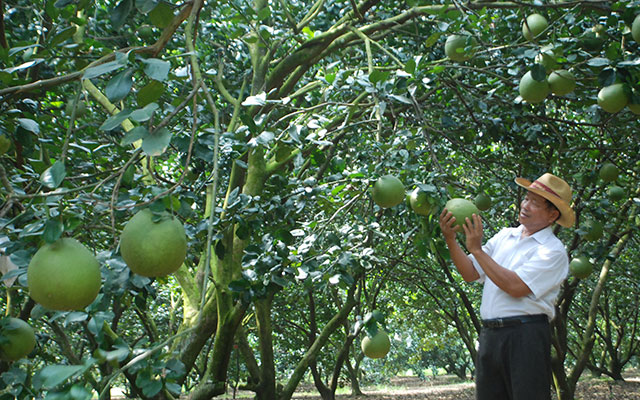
column 540, row 260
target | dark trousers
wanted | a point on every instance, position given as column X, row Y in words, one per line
column 514, row 363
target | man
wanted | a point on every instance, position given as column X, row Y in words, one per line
column 522, row 270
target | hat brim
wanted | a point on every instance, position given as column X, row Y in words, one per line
column 567, row 216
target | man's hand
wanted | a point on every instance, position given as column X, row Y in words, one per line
column 447, row 225
column 473, row 233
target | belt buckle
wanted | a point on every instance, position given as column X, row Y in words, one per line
column 498, row 323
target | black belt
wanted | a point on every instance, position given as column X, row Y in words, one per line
column 513, row 321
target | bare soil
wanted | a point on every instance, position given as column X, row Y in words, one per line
column 450, row 388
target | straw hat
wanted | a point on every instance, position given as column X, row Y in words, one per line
column 556, row 191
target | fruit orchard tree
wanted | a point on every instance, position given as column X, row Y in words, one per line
column 261, row 127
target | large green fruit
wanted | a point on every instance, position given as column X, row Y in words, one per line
column 421, row 203
column 634, row 108
column 595, row 230
column 461, row 209
column 153, row 245
column 64, row 275
column 635, row 29
column 531, row 90
column 548, row 57
column 81, row 108
column 534, row 25
column 615, row 192
column 388, row 191
column 454, row 48
column 613, row 98
column 482, row 201
column 561, row 82
column 17, row 339
column 608, row 172
column 377, row 346
column 580, row 267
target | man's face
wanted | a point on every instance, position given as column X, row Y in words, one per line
column 536, row 212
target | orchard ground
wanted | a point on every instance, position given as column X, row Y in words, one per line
column 448, row 387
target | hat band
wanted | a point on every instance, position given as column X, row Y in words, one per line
column 545, row 188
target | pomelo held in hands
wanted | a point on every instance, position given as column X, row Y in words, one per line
column 461, row 209
column 377, row 346
column 17, row 339
column 153, row 244
column 64, row 275
column 388, row 191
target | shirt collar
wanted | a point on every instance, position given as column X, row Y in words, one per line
column 541, row 236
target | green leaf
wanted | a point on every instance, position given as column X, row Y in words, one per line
column 410, row 66
column 378, row 76
column 52, row 375
column 150, row 93
column 29, row 124
column 53, row 229
column 157, row 69
column 115, row 120
column 220, row 250
column 120, row 85
column 62, row 3
column 62, row 36
column 137, row 133
column 433, row 39
column 607, row 77
column 102, row 69
column 120, row 13
column 538, row 72
column 598, row 62
column 156, row 143
column 52, row 177
column 145, row 113
column 258, row 100
column 144, row 6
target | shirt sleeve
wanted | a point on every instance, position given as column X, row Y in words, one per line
column 544, row 270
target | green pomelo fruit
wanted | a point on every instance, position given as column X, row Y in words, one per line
column 146, row 32
column 388, row 191
column 548, row 57
column 531, row 90
column 613, row 98
column 635, row 29
column 377, row 346
column 161, row 15
column 561, row 82
column 421, row 203
column 153, row 245
column 81, row 108
column 64, row 275
column 591, row 42
column 454, row 48
column 5, row 144
column 595, row 230
column 615, row 192
column 482, row 201
column 17, row 339
column 534, row 25
column 608, row 172
column 580, row 267
column 461, row 209
column 634, row 108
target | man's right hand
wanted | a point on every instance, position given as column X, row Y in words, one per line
column 447, row 225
